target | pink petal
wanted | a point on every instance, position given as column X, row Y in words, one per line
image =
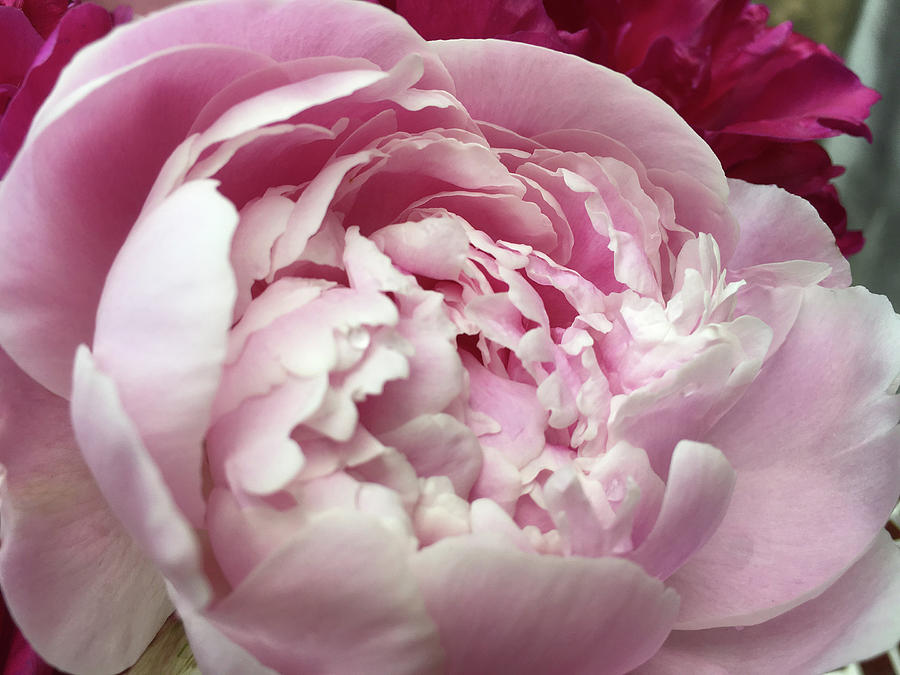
column 130, row 481
column 854, row 619
column 162, row 329
column 439, row 445
column 503, row 611
column 777, row 226
column 55, row 212
column 697, row 494
column 76, row 583
column 342, row 581
column 514, row 406
column 813, row 442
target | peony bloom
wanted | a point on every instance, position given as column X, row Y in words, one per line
column 372, row 354
column 758, row 95
column 37, row 39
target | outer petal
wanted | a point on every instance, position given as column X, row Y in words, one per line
column 777, row 226
column 504, row 611
column 854, row 619
column 62, row 225
column 162, row 329
column 814, row 443
column 131, row 482
column 337, row 598
column 76, row 583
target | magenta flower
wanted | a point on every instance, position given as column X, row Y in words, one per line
column 758, row 95
column 37, row 40
column 17, row 657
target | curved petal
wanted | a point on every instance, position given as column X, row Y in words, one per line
column 283, row 31
column 814, row 443
column 76, row 583
column 131, row 482
column 697, row 494
column 777, row 227
column 504, row 611
column 336, row 598
column 62, row 226
column 162, row 329
column 854, row 619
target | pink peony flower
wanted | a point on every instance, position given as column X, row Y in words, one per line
column 372, row 354
column 37, row 40
column 757, row 94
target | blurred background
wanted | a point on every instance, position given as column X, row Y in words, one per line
column 864, row 33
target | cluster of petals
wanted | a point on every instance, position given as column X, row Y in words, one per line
column 372, row 354
column 759, row 95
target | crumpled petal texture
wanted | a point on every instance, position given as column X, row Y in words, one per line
column 397, row 356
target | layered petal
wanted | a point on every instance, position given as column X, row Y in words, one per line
column 588, row 97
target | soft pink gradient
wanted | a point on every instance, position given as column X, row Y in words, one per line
column 758, row 94
column 372, row 354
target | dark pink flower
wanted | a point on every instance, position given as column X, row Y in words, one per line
column 37, row 39
column 759, row 95
column 17, row 657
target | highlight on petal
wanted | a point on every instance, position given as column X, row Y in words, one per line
column 162, row 329
column 131, row 482
column 255, row 26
